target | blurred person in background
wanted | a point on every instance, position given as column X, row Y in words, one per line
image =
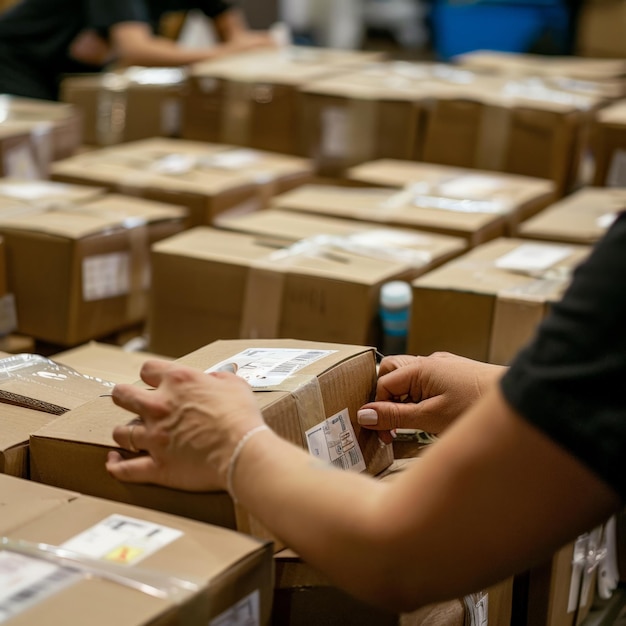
column 41, row 40
column 530, row 456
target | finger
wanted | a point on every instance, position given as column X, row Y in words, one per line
column 141, row 469
column 131, row 436
column 152, row 371
column 392, row 415
column 144, row 402
column 394, row 362
column 399, row 384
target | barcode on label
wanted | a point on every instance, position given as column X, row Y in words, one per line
column 298, row 361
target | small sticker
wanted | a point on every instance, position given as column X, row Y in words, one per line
column 106, row 276
column 246, row 612
column 532, row 257
column 25, row 581
column 334, row 441
column 123, row 540
column 269, row 367
column 335, row 125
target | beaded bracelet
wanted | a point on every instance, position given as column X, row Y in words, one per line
column 235, row 456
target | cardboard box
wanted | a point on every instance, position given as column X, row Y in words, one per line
column 477, row 206
column 200, row 574
column 136, row 103
column 600, row 30
column 608, row 142
column 33, row 133
column 337, row 384
column 583, row 217
column 43, row 193
column 601, row 77
column 211, row 284
column 421, row 249
column 207, row 179
column 82, row 271
column 487, row 304
column 509, row 125
column 252, row 99
column 363, row 115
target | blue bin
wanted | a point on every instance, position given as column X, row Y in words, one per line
column 459, row 27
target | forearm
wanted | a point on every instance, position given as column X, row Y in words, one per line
column 230, row 24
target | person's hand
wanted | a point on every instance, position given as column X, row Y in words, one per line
column 425, row 392
column 250, row 40
column 188, row 426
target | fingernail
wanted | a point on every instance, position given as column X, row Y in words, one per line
column 367, row 417
column 393, row 433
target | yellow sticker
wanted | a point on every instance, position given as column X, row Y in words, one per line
column 124, row 554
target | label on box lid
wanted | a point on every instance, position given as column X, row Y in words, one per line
column 471, row 186
column 37, row 190
column 268, row 367
column 122, row 539
column 232, row 159
column 335, row 442
column 530, row 258
column 25, row 581
column 106, row 276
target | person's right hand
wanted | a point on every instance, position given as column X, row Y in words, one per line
column 426, row 392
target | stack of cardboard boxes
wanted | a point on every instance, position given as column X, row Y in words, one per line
column 197, row 221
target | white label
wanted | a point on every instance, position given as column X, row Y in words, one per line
column 19, row 162
column 123, row 540
column 174, row 164
column 37, row 190
column 334, row 441
column 477, row 609
column 8, row 314
column 335, row 141
column 25, row 581
column 269, row 367
column 616, row 176
column 470, row 187
column 389, row 238
column 106, row 276
column 233, row 159
column 171, row 116
column 579, row 560
column 246, row 612
column 532, row 257
column 605, row 221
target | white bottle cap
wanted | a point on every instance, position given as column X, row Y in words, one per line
column 396, row 294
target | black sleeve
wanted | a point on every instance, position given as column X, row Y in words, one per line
column 570, row 381
column 102, row 14
column 213, row 8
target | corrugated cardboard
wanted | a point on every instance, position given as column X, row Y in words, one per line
column 600, row 30
column 477, row 206
column 608, row 140
column 82, row 437
column 582, row 217
column 82, row 272
column 473, row 308
column 132, row 104
column 252, row 99
column 53, row 129
column 210, row 284
column 231, row 572
column 208, row 179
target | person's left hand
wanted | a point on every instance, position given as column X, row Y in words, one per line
column 188, row 426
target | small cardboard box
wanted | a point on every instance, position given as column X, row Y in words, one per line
column 207, row 179
column 33, row 133
column 81, row 272
column 252, row 99
column 134, row 566
column 487, row 304
column 583, row 217
column 608, row 142
column 477, row 206
column 337, row 384
column 210, row 284
column 363, row 115
column 136, row 103
column 600, row 30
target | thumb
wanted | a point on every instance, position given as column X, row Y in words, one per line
column 392, row 415
column 140, row 469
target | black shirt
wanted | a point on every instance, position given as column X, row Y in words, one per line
column 35, row 34
column 571, row 379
